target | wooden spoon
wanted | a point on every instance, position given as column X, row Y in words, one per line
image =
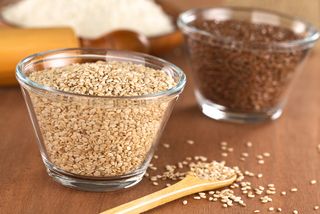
column 189, row 185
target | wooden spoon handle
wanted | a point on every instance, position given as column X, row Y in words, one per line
column 187, row 186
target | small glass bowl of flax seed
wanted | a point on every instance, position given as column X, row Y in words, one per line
column 244, row 60
column 98, row 114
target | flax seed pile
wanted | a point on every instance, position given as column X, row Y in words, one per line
column 238, row 73
column 237, row 193
column 92, row 136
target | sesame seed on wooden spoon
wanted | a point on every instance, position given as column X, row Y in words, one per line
column 202, row 177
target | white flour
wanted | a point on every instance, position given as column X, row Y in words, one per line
column 91, row 18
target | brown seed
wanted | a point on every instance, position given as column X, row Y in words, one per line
column 223, row 82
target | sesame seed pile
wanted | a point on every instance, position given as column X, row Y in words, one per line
column 105, row 79
column 100, row 137
column 211, row 171
column 237, row 193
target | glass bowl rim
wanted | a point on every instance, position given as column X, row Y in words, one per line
column 24, row 80
column 306, row 40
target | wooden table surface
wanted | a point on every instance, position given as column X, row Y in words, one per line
column 292, row 141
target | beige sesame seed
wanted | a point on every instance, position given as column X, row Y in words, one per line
column 202, row 195
column 279, row 209
column 256, row 211
column 184, row 202
column 260, row 161
column 318, row 148
column 155, row 183
column 249, row 144
column 189, row 158
column 166, row 145
column 155, row 156
column 266, row 154
column 270, row 192
column 294, row 189
column 245, row 154
column 271, row 209
column 153, row 168
column 224, row 154
column 242, row 158
column 230, row 149
column 91, row 133
column 313, row 182
column 223, row 143
column 225, row 205
column 191, row 142
column 316, row 207
column 197, row 197
column 153, row 178
column 260, row 175
column 260, row 157
column 168, row 184
column 295, row 212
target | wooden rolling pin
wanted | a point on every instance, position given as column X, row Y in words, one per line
column 17, row 43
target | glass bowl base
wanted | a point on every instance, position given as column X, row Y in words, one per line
column 219, row 112
column 94, row 185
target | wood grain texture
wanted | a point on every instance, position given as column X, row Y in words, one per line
column 26, row 188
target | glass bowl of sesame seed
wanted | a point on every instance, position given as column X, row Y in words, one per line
column 98, row 114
